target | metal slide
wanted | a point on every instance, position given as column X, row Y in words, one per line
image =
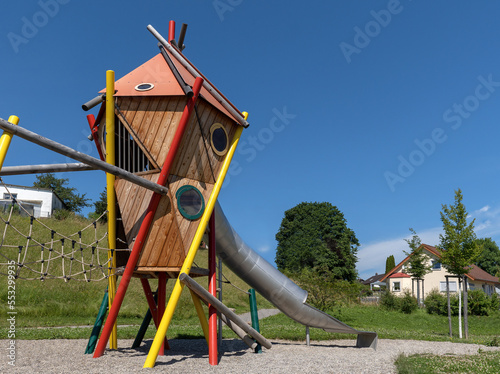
column 274, row 286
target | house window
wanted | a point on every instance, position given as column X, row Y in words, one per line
column 436, row 265
column 453, row 286
column 472, row 286
column 396, row 286
column 9, row 196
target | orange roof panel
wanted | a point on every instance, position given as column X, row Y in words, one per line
column 155, row 72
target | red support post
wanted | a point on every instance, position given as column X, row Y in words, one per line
column 147, row 221
column 212, row 288
column 154, row 309
column 171, row 31
column 151, row 302
column 94, row 130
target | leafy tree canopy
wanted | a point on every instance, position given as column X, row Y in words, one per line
column 458, row 243
column 73, row 201
column 489, row 259
column 418, row 263
column 100, row 206
column 315, row 236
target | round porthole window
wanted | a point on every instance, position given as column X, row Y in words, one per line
column 218, row 139
column 144, row 87
column 190, row 202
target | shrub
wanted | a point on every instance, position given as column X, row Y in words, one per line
column 437, row 303
column 326, row 293
column 408, row 304
column 479, row 304
column 321, row 293
column 62, row 214
column 495, row 302
column 389, row 301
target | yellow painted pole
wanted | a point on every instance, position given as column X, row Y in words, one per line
column 110, row 187
column 5, row 140
column 161, row 332
column 201, row 314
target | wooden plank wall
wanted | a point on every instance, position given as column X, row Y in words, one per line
column 154, row 121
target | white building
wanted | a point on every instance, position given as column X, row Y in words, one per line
column 39, row 202
column 398, row 280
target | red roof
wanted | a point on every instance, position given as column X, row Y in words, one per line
column 399, row 275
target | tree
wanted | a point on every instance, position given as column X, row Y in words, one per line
column 489, row 259
column 315, row 236
column 73, row 201
column 458, row 245
column 101, row 206
column 390, row 264
column 418, row 262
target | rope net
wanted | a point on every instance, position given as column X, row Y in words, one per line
column 39, row 252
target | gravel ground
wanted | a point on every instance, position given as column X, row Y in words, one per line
column 191, row 356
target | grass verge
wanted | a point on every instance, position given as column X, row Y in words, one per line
column 483, row 362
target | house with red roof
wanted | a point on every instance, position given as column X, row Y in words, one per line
column 398, row 280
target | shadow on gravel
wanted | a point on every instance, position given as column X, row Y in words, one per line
column 348, row 344
column 184, row 349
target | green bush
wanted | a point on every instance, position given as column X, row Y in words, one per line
column 62, row 214
column 495, row 302
column 389, row 301
column 479, row 303
column 326, row 293
column 435, row 303
column 408, row 304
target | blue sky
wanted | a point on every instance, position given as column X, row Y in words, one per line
column 382, row 108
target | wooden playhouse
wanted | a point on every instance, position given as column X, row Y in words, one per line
column 150, row 101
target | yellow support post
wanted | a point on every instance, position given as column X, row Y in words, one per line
column 161, row 332
column 5, row 140
column 110, row 187
column 201, row 314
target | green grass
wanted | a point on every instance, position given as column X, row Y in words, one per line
column 484, row 363
column 388, row 325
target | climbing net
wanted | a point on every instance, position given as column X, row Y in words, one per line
column 39, row 252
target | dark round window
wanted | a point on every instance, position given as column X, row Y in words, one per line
column 190, row 202
column 218, row 139
column 144, row 87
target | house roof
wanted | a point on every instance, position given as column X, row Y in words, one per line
column 475, row 272
column 27, row 187
column 373, row 279
column 399, row 275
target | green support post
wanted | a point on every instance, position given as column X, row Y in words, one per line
column 97, row 325
column 255, row 315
